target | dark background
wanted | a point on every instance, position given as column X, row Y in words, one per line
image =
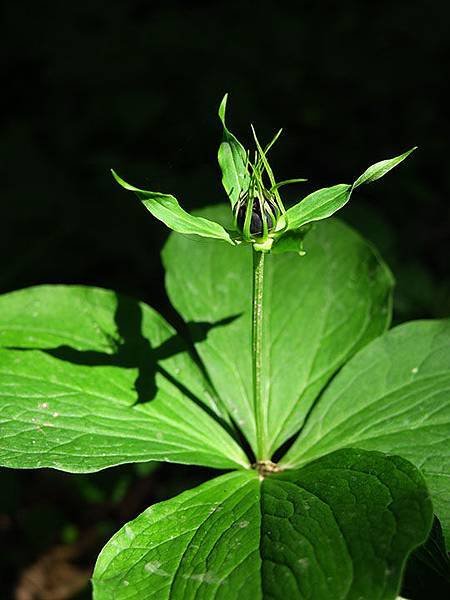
column 136, row 85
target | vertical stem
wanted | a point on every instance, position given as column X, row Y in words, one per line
column 257, row 353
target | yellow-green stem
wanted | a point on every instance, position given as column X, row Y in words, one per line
column 257, row 354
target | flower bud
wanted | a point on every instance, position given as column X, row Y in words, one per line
column 264, row 209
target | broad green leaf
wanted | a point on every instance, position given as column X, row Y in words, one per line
column 97, row 379
column 203, row 543
column 358, row 515
column 166, row 208
column 232, row 160
column 393, row 396
column 325, row 202
column 319, row 309
column 339, row 528
column 427, row 573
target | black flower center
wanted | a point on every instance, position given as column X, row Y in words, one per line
column 256, row 223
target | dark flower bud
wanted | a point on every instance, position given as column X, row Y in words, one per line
column 269, row 213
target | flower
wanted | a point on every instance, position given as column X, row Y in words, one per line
column 259, row 215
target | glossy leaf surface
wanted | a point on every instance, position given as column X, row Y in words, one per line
column 312, row 323
column 339, row 528
column 393, row 396
column 96, row 379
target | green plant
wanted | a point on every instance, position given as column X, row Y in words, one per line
column 291, row 383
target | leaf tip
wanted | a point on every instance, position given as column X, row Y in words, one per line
column 410, row 151
column 123, row 183
column 379, row 169
column 119, row 180
column 223, row 107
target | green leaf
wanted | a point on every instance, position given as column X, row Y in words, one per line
column 325, row 202
column 96, row 379
column 380, row 169
column 188, row 544
column 339, row 528
column 309, row 329
column 166, row 208
column 232, row 160
column 393, row 396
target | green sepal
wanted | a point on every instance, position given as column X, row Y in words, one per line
column 165, row 207
column 233, row 160
column 287, row 182
column 319, row 205
column 292, row 241
column 323, row 203
column 380, row 169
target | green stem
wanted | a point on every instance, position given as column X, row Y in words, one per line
column 257, row 353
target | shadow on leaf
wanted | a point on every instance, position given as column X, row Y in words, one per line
column 130, row 349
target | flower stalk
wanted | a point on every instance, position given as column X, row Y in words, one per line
column 257, row 354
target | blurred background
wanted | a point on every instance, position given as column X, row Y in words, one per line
column 136, row 85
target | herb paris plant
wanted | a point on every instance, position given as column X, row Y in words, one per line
column 91, row 379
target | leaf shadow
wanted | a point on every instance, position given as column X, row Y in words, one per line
column 129, row 348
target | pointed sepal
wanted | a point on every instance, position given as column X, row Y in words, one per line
column 233, row 160
column 166, row 208
column 325, row 202
column 380, row 169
